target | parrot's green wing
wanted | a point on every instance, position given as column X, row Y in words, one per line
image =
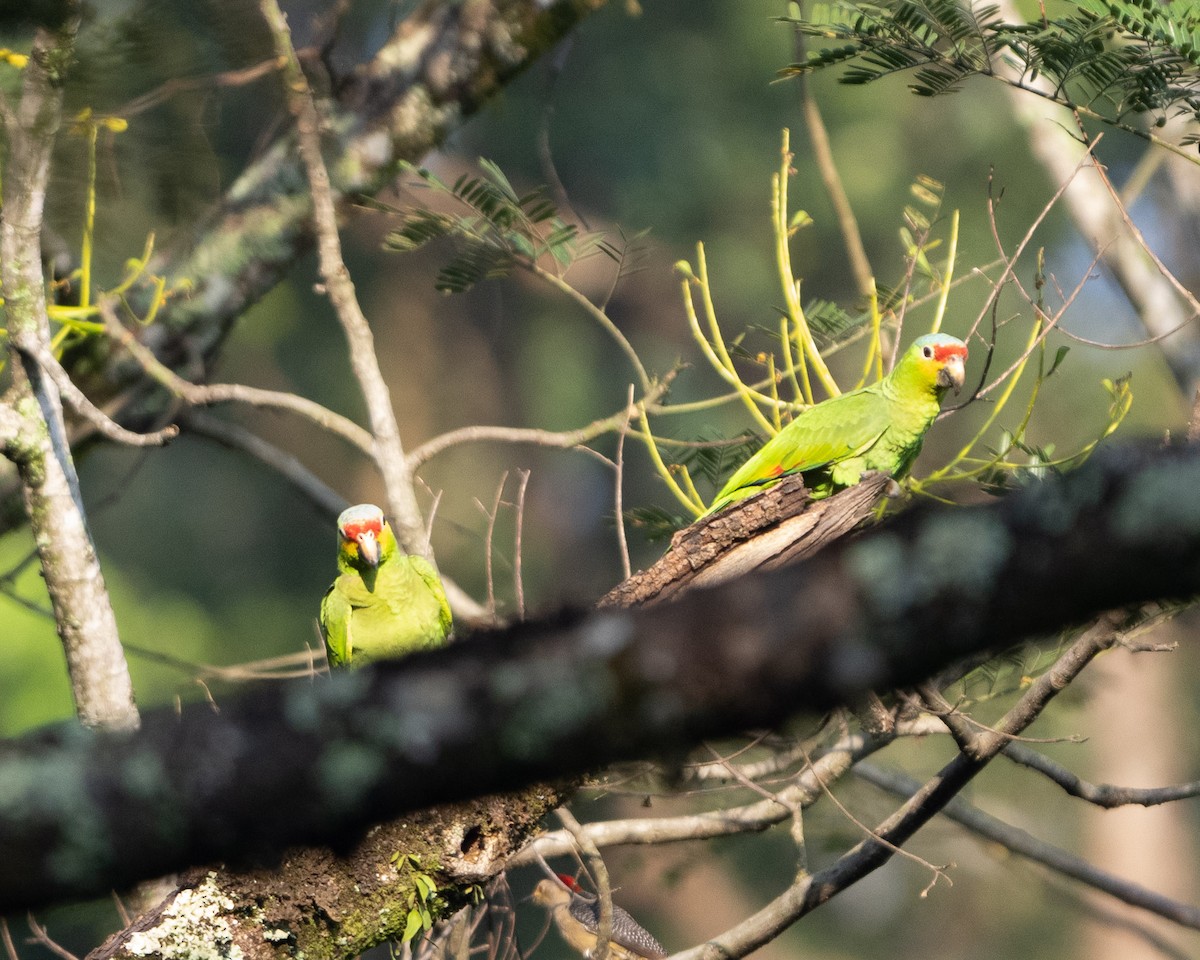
column 424, row 569
column 335, row 626
column 838, row 429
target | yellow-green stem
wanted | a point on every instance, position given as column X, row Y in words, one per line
column 944, row 297
column 695, row 507
column 89, row 220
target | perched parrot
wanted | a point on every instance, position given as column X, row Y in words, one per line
column 384, row 603
column 877, row 427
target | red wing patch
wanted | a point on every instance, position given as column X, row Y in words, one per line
column 777, row 470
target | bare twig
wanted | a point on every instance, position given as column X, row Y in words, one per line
column 566, row 439
column 752, row 818
column 923, row 805
column 860, row 266
column 288, row 666
column 42, row 937
column 518, row 581
column 939, row 873
column 599, row 874
column 209, row 394
column 6, row 937
column 1101, row 794
column 599, row 315
column 1024, row 845
column 96, row 418
column 176, row 85
column 389, row 451
column 327, row 500
column 794, row 807
column 619, row 491
column 489, row 543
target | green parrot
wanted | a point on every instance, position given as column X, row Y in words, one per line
column 384, row 603
column 877, row 427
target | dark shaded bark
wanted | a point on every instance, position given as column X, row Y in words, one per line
column 82, row 812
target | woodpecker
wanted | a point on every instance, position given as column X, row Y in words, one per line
column 576, row 913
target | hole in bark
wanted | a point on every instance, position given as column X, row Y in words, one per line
column 472, row 842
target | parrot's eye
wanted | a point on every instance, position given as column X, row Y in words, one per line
column 927, row 351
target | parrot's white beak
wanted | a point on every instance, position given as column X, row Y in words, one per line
column 953, row 373
column 368, row 547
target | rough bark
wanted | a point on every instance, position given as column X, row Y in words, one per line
column 325, row 906
column 82, row 812
column 764, row 532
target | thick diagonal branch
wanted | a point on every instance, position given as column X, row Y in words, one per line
column 558, row 697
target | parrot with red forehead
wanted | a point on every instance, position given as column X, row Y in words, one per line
column 877, row 427
column 384, row 603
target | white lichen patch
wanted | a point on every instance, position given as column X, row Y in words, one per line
column 193, row 927
column 277, row 936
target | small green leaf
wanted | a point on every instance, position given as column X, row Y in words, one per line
column 1059, row 356
column 426, row 888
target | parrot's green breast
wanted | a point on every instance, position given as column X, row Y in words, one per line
column 392, row 611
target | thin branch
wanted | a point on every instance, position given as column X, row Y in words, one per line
column 1101, row 794
column 599, row 874
column 288, row 666
column 939, row 873
column 923, row 805
column 1023, row 844
column 619, row 488
column 788, row 803
column 389, row 450
column 489, row 544
column 518, row 580
column 775, row 763
column 829, row 765
column 176, row 85
column 818, row 135
column 42, row 937
column 564, row 440
column 236, row 437
column 794, row 807
column 78, row 401
column 598, row 315
column 209, row 394
column 6, row 937
column 1011, row 261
